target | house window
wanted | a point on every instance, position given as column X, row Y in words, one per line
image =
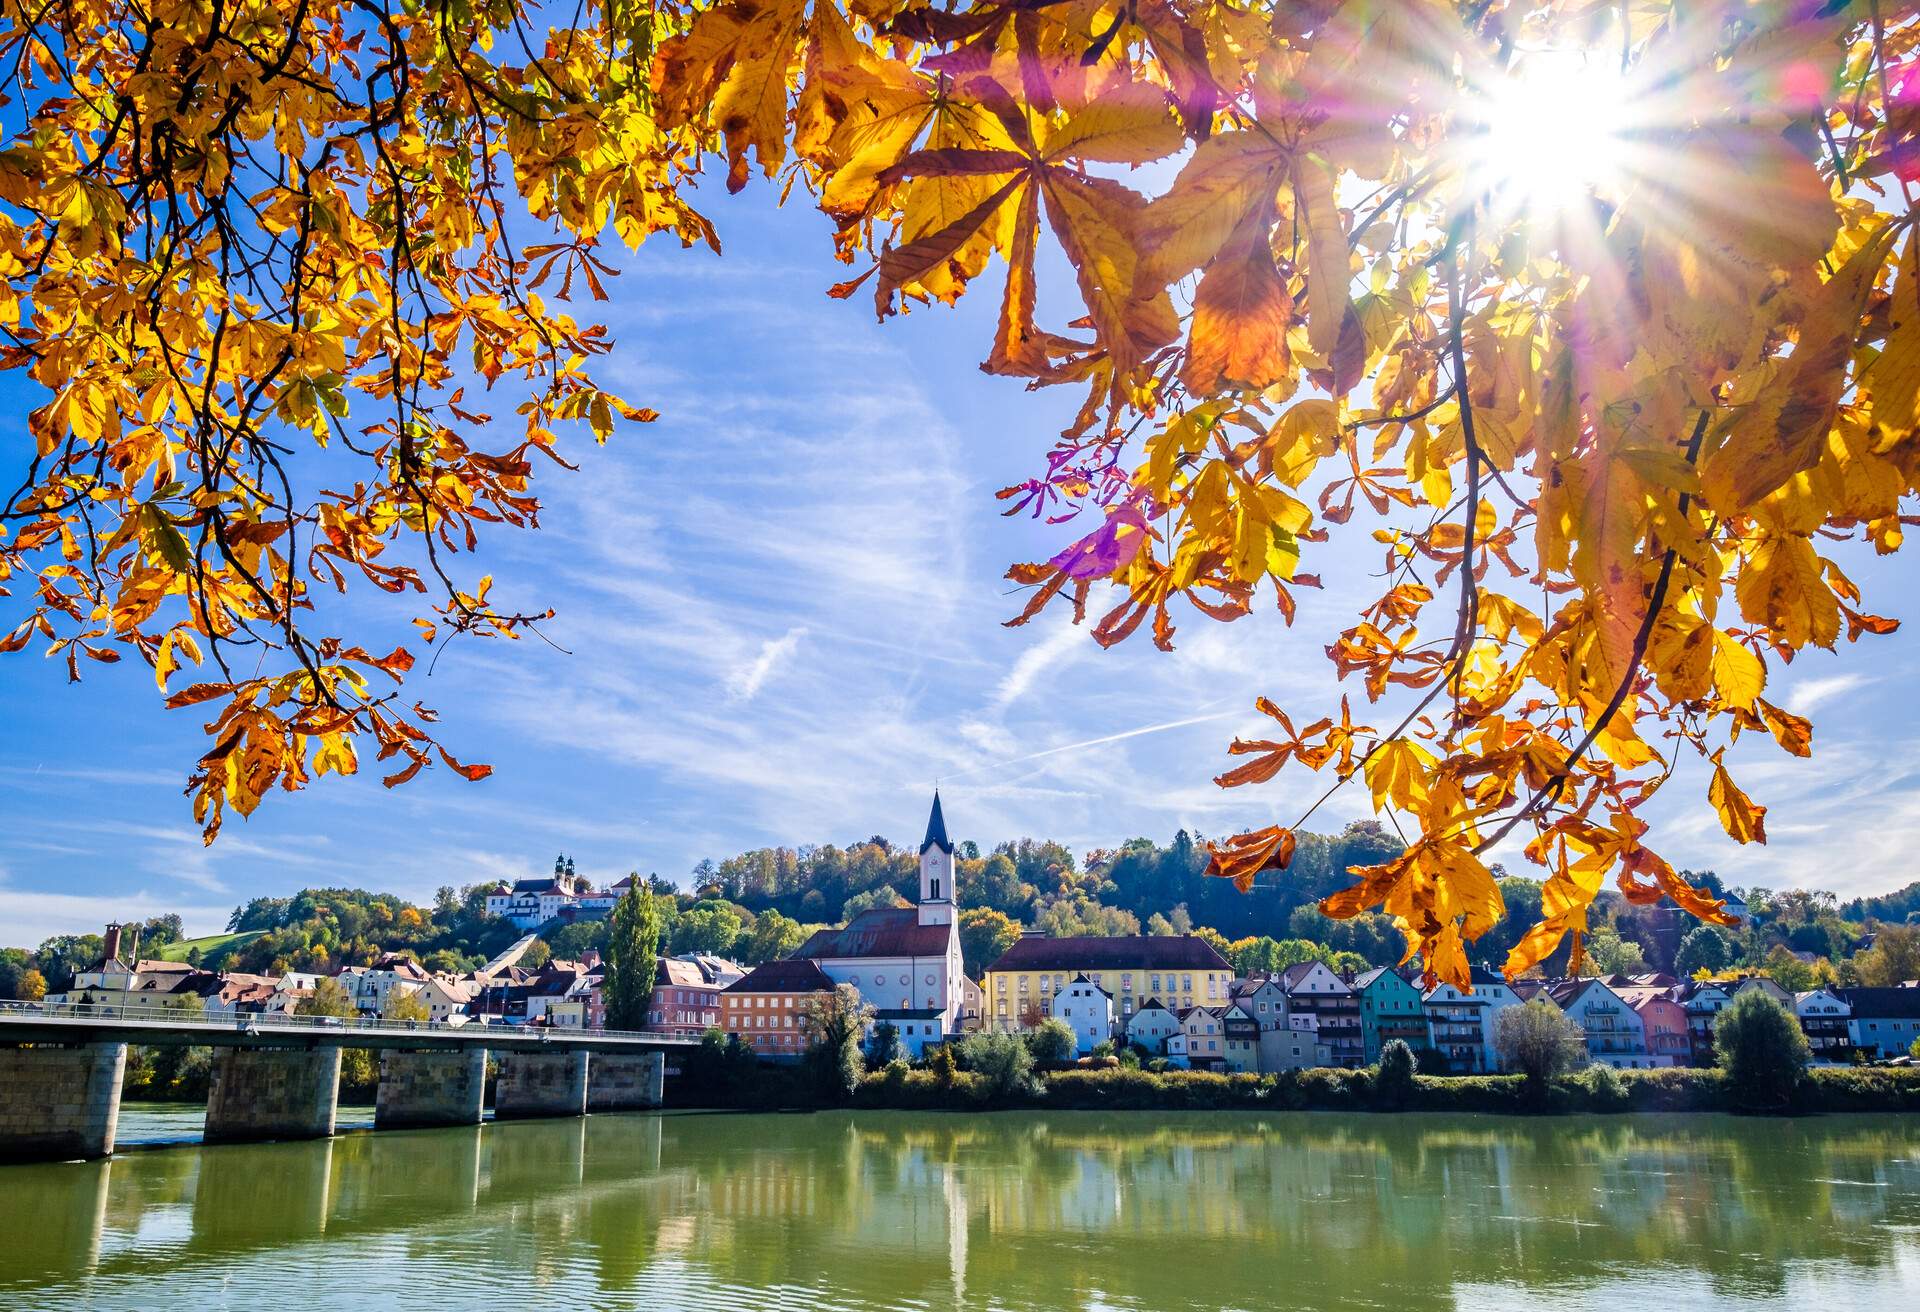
column 936, row 890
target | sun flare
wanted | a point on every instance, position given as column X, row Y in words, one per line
column 1549, row 131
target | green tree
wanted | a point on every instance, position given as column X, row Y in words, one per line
column 773, row 937
column 1052, row 1042
column 1762, row 1049
column 1893, row 959
column 1159, row 926
column 833, row 1023
column 1393, row 1081
column 1704, row 948
column 1609, row 954
column 884, row 1046
column 708, row 928
column 985, row 934
column 405, row 1005
column 538, row 953
column 1540, row 1041
column 1003, row 1060
column 330, row 998
column 573, row 942
column 1788, row 971
column 633, row 957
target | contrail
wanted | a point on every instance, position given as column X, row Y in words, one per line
column 1094, row 742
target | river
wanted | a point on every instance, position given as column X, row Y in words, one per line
column 1039, row 1211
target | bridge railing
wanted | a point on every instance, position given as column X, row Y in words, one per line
column 280, row 1022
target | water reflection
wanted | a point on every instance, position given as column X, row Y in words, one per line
column 1045, row 1212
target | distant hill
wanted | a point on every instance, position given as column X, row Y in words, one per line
column 1900, row 907
column 214, row 948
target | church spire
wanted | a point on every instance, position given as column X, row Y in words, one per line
column 937, row 829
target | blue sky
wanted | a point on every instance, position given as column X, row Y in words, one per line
column 780, row 609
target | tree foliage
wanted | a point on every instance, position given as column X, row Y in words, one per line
column 834, row 1023
column 633, row 957
column 1538, row 1040
column 1762, row 1048
column 259, row 256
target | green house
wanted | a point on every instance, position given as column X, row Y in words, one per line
column 1390, row 1008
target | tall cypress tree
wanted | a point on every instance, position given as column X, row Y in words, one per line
column 633, row 949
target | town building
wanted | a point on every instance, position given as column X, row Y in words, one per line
column 1827, row 1019
column 1612, row 1028
column 1390, row 1008
column 904, row 958
column 1885, row 1022
column 1313, row 988
column 1663, row 1021
column 1458, row 1022
column 1151, row 1026
column 563, row 895
column 1763, row 984
column 1293, row 1047
column 766, row 1006
column 1087, row 1009
column 1180, row 970
column 685, row 998
column 1201, row 1042
column 1241, row 1043
column 920, row 1028
column 1263, row 999
column 1703, row 1001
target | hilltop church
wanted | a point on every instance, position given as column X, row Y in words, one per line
column 905, row 960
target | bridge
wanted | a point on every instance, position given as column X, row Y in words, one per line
column 278, row 1077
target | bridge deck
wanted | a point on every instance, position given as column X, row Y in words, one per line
column 165, row 1027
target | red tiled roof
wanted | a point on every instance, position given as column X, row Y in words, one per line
column 1137, row 952
column 889, row 932
column 797, row 975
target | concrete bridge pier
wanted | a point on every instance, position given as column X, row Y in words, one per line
column 541, row 1084
column 626, row 1082
column 273, row 1093
column 430, row 1088
column 59, row 1103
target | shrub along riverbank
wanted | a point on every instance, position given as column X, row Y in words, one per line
column 1678, row 1089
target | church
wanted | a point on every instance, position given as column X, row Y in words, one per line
column 905, row 960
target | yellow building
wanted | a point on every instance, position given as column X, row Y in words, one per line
column 1179, row 971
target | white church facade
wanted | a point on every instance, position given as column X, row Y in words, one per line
column 905, row 961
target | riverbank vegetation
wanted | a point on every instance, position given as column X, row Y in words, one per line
column 901, row 1086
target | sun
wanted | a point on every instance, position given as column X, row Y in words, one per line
column 1549, row 131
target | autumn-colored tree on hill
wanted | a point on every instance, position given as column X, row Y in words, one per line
column 1604, row 315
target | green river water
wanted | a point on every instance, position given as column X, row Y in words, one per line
column 1041, row 1211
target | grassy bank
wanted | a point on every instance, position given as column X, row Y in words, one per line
column 1119, row 1088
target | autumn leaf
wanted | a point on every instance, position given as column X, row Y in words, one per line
column 1742, row 818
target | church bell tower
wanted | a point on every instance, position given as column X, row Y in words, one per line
column 936, row 870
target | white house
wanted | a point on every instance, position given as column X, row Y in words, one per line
column 1464, row 1024
column 1614, row 1032
column 1151, row 1027
column 904, row 958
column 1088, row 1011
column 1825, row 1017
column 919, row 1028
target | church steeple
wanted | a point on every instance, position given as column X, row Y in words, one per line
column 936, row 870
column 936, row 830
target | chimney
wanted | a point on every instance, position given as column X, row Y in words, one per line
column 110, row 950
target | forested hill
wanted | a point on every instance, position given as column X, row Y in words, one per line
column 1039, row 882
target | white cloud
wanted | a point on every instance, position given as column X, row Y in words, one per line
column 1810, row 693
column 1063, row 644
column 747, row 680
column 29, row 918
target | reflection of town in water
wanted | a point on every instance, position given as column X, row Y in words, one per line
column 1041, row 1211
